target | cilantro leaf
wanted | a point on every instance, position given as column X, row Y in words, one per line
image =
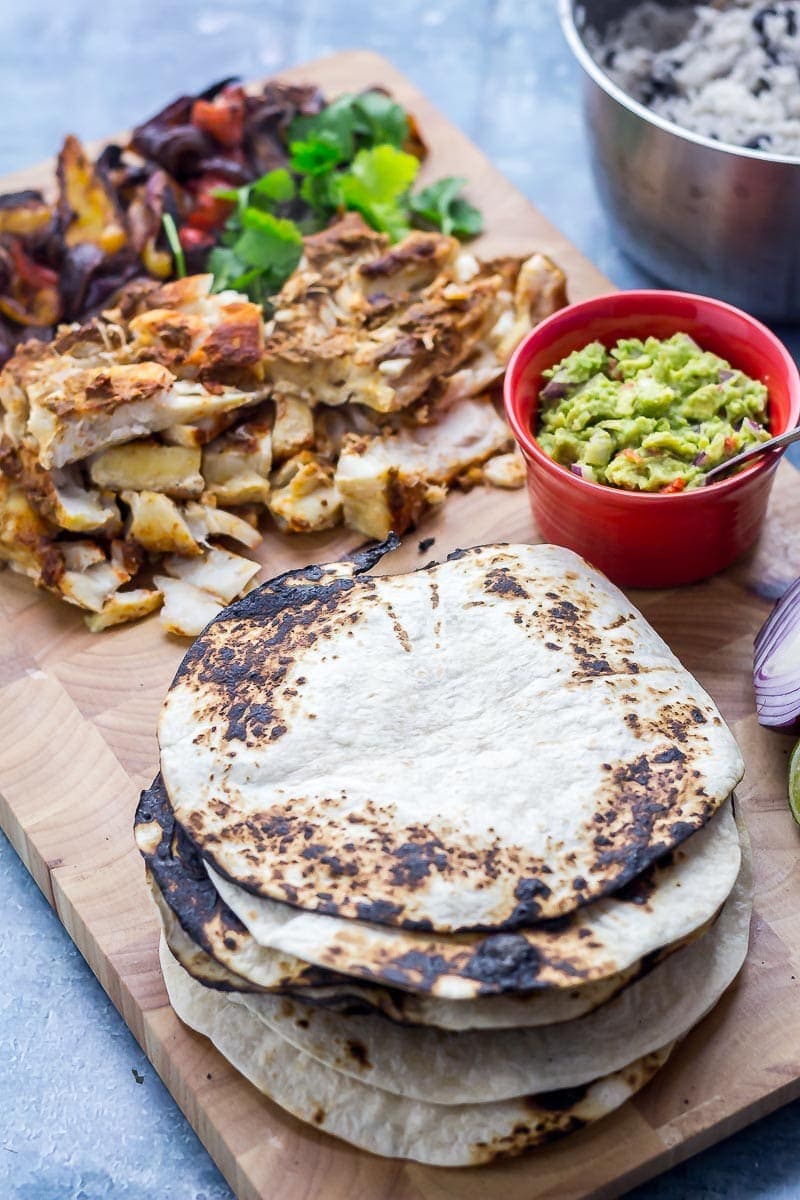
column 231, row 194
column 276, row 186
column 376, row 186
column 466, row 220
column 321, row 195
column 442, row 205
column 334, row 126
column 226, row 268
column 315, row 156
column 382, row 120
column 261, row 253
column 386, row 173
column 348, row 124
column 270, row 243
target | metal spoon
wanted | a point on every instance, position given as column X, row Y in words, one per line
column 783, row 439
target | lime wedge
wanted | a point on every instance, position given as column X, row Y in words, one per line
column 794, row 783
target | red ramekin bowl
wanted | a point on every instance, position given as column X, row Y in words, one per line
column 642, row 539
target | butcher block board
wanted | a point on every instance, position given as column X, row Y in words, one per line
column 78, row 743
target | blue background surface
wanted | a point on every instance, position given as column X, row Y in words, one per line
column 82, row 1114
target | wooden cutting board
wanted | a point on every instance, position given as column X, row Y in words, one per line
column 79, row 719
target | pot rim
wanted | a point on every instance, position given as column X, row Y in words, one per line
column 566, row 12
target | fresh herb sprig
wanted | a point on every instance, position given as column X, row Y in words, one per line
column 351, row 156
column 443, row 206
column 178, row 256
column 259, row 248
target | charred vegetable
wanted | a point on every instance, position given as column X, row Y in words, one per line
column 24, row 214
column 28, row 290
column 221, row 181
column 88, row 208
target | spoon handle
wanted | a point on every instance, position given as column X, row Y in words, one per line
column 776, row 443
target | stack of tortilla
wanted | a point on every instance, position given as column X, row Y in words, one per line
column 447, row 861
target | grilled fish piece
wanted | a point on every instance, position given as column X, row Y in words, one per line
column 381, row 326
column 504, row 470
column 125, row 606
column 158, row 525
column 533, row 290
column 74, row 412
column 187, row 609
column 304, row 496
column 293, row 428
column 323, row 355
column 60, row 496
column 222, row 574
column 95, row 587
column 26, row 539
column 205, row 521
column 214, row 338
column 236, row 466
column 389, row 480
column 149, row 466
column 167, row 356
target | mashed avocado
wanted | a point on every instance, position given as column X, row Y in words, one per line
column 648, row 415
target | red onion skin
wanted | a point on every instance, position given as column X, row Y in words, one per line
column 789, row 726
column 778, row 698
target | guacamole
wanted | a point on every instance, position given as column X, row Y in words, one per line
column 648, row 416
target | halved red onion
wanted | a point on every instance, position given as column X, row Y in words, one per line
column 776, row 664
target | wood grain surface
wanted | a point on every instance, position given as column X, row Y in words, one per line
column 78, row 743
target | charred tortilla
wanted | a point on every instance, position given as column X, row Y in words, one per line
column 596, row 944
column 479, row 745
column 378, row 1120
column 185, row 896
column 354, row 999
column 489, row 1065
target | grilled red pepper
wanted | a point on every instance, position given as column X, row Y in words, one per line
column 222, row 117
column 33, row 297
column 209, row 212
column 194, row 239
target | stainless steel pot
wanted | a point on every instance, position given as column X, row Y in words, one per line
column 699, row 215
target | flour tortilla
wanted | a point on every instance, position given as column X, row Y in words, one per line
column 207, row 921
column 488, row 1012
column 376, row 1120
column 476, row 745
column 350, row 998
column 460, row 1068
column 602, row 940
column 276, row 972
